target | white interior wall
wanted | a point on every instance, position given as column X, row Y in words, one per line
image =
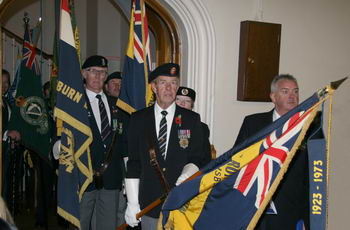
column 314, row 48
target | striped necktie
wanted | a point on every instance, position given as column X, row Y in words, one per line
column 162, row 134
column 105, row 128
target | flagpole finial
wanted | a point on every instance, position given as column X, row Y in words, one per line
column 26, row 18
column 336, row 84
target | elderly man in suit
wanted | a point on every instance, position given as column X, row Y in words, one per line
column 100, row 200
column 290, row 200
column 175, row 134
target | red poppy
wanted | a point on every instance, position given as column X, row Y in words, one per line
column 178, row 120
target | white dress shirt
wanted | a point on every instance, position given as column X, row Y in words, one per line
column 95, row 109
column 169, row 118
column 275, row 115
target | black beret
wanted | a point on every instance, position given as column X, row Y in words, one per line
column 184, row 91
column 167, row 69
column 95, row 60
column 114, row 75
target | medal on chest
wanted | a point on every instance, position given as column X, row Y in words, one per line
column 184, row 135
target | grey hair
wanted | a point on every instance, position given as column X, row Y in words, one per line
column 281, row 77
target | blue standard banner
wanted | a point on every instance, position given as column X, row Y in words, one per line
column 317, row 178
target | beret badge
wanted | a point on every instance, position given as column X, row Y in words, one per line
column 173, row 71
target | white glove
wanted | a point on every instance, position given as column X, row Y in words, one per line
column 123, row 185
column 132, row 193
column 187, row 171
column 56, row 149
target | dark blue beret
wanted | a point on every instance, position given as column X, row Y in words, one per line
column 184, row 91
column 95, row 60
column 114, row 75
column 167, row 69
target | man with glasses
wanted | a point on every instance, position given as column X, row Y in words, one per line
column 108, row 124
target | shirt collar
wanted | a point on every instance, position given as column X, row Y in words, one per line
column 170, row 109
column 275, row 115
column 92, row 95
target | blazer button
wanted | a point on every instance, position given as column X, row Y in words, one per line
column 164, row 169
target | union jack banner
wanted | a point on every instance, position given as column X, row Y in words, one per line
column 256, row 178
column 140, row 31
column 234, row 189
column 136, row 92
column 29, row 52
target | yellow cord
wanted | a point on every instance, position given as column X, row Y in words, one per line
column 328, row 150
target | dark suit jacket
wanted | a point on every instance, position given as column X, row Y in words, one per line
column 291, row 196
column 206, row 144
column 252, row 124
column 142, row 135
column 112, row 177
column 5, row 115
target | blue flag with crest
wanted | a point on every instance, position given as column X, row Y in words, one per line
column 75, row 169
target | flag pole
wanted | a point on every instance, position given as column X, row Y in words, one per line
column 156, row 203
column 145, row 46
column 327, row 153
column 323, row 94
column 1, row 105
column 333, row 86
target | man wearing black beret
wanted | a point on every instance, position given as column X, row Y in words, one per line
column 108, row 125
column 112, row 89
column 175, row 134
column 113, row 84
column 185, row 98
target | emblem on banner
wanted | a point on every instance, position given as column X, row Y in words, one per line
column 67, row 151
column 33, row 111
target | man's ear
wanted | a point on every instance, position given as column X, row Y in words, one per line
column 272, row 96
column 83, row 73
column 153, row 86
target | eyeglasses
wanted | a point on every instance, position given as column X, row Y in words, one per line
column 99, row 72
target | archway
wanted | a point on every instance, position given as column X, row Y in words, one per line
column 198, row 52
column 196, row 44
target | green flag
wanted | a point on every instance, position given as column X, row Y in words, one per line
column 29, row 113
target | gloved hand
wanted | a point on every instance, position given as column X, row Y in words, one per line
column 56, row 149
column 187, row 171
column 133, row 206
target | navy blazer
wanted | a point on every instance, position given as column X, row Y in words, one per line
column 206, row 145
column 252, row 124
column 142, row 136
column 114, row 174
